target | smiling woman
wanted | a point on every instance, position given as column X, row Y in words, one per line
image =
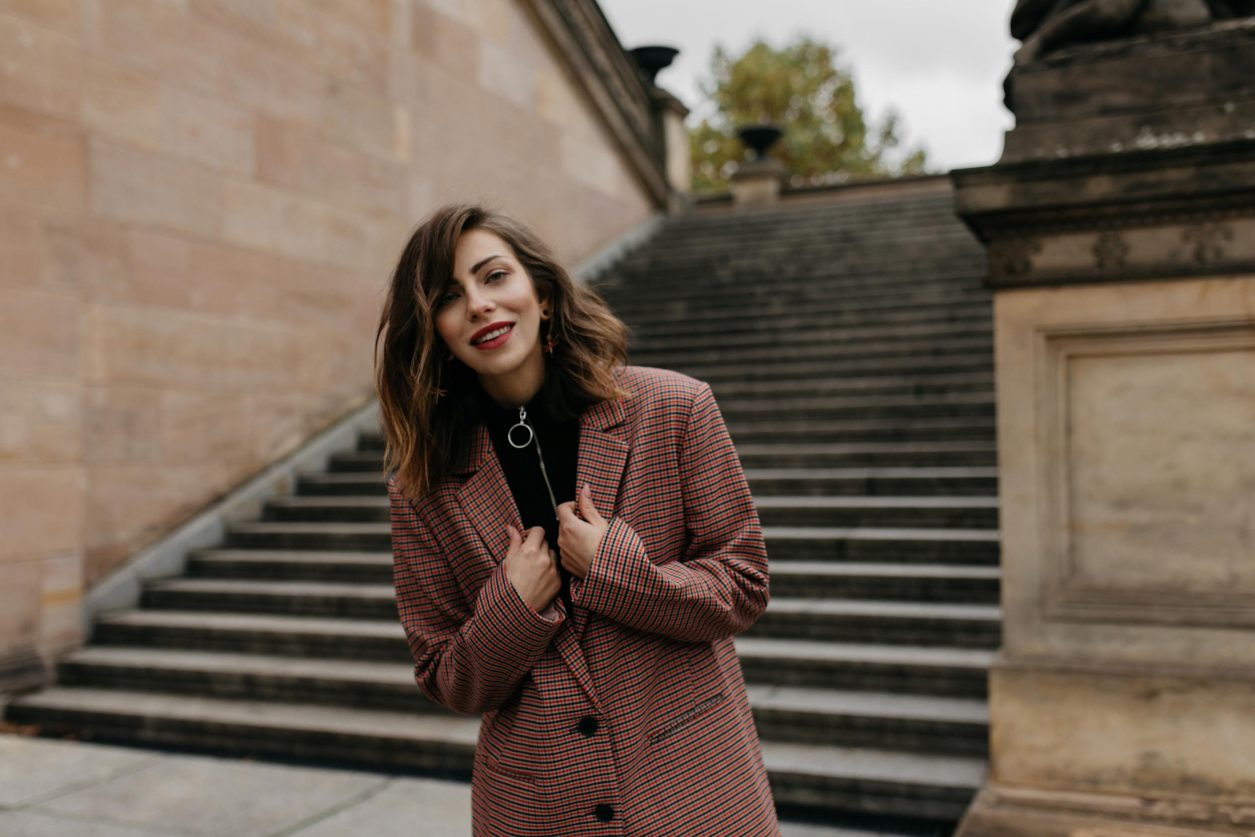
column 574, row 546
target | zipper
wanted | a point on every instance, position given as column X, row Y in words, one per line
column 539, row 456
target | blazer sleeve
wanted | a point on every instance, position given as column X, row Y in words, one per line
column 720, row 586
column 468, row 657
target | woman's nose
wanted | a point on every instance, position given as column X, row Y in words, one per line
column 477, row 303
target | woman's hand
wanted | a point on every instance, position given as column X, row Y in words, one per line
column 578, row 539
column 532, row 567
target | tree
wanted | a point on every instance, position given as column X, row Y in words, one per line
column 801, row 89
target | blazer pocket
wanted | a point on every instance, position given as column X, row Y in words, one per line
column 686, row 718
column 495, row 746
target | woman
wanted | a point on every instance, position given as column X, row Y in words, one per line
column 574, row 546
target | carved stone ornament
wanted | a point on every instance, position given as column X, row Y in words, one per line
column 1046, row 25
column 1013, row 256
column 1208, row 241
column 1111, row 252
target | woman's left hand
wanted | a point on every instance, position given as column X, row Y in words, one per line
column 578, row 539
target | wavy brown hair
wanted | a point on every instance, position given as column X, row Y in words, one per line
column 428, row 434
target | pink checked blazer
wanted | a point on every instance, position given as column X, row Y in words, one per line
column 627, row 716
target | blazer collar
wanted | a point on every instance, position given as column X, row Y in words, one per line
column 600, row 418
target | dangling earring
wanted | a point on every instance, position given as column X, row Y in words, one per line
column 550, row 340
column 441, row 391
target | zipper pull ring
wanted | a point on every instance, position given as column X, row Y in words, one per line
column 522, row 422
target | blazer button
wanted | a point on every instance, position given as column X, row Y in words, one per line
column 587, row 726
column 604, row 812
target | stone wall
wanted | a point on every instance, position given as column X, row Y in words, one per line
column 200, row 201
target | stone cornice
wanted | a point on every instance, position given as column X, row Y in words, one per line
column 608, row 76
column 1174, row 213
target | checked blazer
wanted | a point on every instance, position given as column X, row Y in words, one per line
column 627, row 715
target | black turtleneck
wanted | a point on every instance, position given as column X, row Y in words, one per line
column 559, row 441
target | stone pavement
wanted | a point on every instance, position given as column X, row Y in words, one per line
column 60, row 788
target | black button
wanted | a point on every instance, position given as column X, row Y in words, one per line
column 587, row 726
column 604, row 812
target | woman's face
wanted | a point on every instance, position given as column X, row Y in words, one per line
column 490, row 290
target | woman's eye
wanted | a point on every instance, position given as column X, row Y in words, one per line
column 496, row 273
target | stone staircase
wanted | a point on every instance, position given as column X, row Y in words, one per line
column 850, row 347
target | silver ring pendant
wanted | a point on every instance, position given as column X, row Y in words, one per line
column 530, row 433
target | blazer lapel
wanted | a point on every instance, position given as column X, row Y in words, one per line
column 600, row 460
column 486, row 499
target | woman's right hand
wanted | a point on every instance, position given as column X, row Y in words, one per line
column 532, row 567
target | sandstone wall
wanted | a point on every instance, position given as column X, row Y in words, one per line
column 200, row 201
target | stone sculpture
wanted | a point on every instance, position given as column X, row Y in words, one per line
column 1044, row 25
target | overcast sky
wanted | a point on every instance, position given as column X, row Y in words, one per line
column 940, row 63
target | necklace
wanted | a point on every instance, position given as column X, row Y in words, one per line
column 531, row 436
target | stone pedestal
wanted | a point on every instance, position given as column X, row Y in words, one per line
column 678, row 164
column 1123, row 699
column 757, row 182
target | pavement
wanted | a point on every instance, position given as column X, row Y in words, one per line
column 63, row 788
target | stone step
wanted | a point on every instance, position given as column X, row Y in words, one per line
column 810, row 775
column 822, row 347
column 964, row 453
column 953, row 453
column 954, row 583
column 884, row 720
column 897, row 623
column 335, row 536
column 361, row 567
column 347, row 484
column 911, row 544
column 800, row 318
column 680, row 344
column 857, row 367
column 860, row 238
column 927, row 512
column 877, row 666
column 873, row 482
column 915, row 383
column 435, row 743
column 840, row 620
column 780, row 510
column 862, row 826
column 902, row 669
column 937, row 725
column 821, row 234
column 707, row 231
column 258, row 677
column 255, row 633
column 696, row 301
column 887, row 408
column 885, row 582
column 688, row 248
column 915, row 429
column 799, row 267
column 321, row 599
column 740, row 282
column 907, row 545
column 844, row 212
column 783, row 317
column 763, row 481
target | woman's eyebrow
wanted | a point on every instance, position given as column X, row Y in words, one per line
column 453, row 280
column 475, row 268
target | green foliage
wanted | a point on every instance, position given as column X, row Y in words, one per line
column 801, row 89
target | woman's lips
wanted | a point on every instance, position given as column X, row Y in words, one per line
column 494, row 342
